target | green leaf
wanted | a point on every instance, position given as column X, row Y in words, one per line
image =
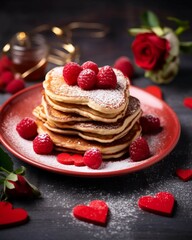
column 12, row 177
column 158, row 31
column 178, row 21
column 135, row 31
column 150, row 20
column 180, row 30
column 186, row 47
column 148, row 74
column 20, row 170
column 9, row 185
column 182, row 25
column 5, row 161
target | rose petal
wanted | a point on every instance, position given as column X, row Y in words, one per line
column 188, row 102
column 155, row 90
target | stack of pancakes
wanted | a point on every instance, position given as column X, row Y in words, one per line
column 77, row 119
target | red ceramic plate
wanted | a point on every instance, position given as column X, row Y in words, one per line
column 21, row 105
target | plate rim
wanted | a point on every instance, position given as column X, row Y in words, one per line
column 143, row 165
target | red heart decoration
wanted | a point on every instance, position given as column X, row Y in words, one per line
column 154, row 90
column 68, row 159
column 184, row 174
column 188, row 102
column 10, row 216
column 162, row 203
column 96, row 212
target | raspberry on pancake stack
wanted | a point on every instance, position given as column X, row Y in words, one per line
column 86, row 106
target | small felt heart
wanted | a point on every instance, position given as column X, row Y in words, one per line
column 5, row 206
column 187, row 102
column 68, row 159
column 184, row 174
column 10, row 216
column 96, row 212
column 162, row 203
column 154, row 90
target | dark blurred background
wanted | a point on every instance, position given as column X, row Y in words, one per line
column 118, row 15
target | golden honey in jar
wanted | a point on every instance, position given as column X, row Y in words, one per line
column 29, row 54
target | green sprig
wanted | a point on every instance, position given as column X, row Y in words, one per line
column 182, row 26
column 149, row 20
column 150, row 23
column 8, row 173
column 5, row 161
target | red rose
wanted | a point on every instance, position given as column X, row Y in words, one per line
column 22, row 188
column 150, row 51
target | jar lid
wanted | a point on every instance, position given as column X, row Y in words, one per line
column 28, row 41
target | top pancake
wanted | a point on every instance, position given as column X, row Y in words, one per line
column 107, row 101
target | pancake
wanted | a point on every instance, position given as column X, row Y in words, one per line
column 92, row 136
column 106, row 157
column 107, row 101
column 61, row 117
column 75, row 143
column 84, row 111
column 39, row 113
column 77, row 119
column 133, row 112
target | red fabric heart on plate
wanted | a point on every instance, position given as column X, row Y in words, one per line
column 188, row 102
column 10, row 216
column 162, row 203
column 66, row 158
column 96, row 212
column 154, row 90
column 184, row 174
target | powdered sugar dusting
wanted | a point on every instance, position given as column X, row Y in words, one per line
column 25, row 149
column 106, row 98
column 160, row 144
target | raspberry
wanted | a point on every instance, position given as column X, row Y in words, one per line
column 6, row 77
column 2, row 85
column 42, row 144
column 150, row 124
column 93, row 158
column 70, row 73
column 139, row 149
column 15, row 85
column 106, row 78
column 90, row 65
column 125, row 66
column 27, row 128
column 87, row 79
column 5, row 63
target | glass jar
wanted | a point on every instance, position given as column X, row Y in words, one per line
column 29, row 53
